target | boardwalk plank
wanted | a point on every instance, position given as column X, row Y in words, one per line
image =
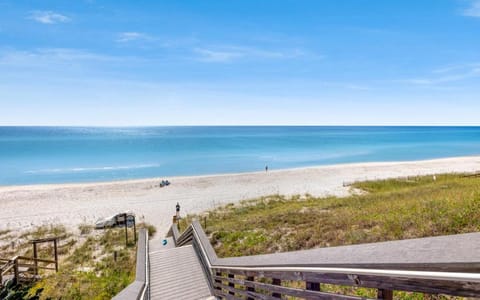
column 176, row 273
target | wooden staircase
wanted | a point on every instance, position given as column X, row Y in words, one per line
column 448, row 265
column 176, row 273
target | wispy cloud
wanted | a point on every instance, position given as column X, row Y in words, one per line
column 48, row 17
column 12, row 57
column 59, row 60
column 125, row 37
column 233, row 53
column 447, row 74
column 344, row 85
column 208, row 55
column 473, row 10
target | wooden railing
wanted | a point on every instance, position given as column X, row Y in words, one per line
column 440, row 265
column 23, row 268
column 139, row 289
column 5, row 266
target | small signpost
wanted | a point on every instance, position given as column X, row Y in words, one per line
column 126, row 217
column 176, row 217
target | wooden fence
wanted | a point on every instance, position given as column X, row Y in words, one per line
column 21, row 268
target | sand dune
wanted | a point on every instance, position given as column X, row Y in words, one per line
column 22, row 207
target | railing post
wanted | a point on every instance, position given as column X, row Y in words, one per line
column 249, row 288
column 231, row 284
column 385, row 294
column 126, row 229
column 313, row 286
column 56, row 254
column 35, row 256
column 134, row 229
column 15, row 270
column 276, row 281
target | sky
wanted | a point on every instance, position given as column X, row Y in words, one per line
column 240, row 62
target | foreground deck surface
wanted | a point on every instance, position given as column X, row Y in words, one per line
column 176, row 273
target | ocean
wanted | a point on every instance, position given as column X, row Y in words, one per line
column 37, row 155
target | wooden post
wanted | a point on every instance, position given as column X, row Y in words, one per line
column 135, row 229
column 276, row 281
column 35, row 256
column 126, row 231
column 249, row 288
column 385, row 294
column 15, row 270
column 313, row 286
column 231, row 284
column 56, row 254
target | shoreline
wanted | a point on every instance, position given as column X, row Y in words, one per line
column 71, row 204
column 43, row 186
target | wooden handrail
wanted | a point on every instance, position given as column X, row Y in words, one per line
column 139, row 289
column 6, row 268
column 174, row 233
column 34, row 259
column 186, row 237
column 296, row 292
column 427, row 267
column 7, row 262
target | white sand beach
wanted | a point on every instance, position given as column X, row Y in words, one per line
column 22, row 207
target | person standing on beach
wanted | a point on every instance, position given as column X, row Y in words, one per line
column 266, row 168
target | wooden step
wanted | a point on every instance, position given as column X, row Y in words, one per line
column 176, row 273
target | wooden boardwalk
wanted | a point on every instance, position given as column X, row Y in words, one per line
column 155, row 245
column 192, row 270
column 176, row 273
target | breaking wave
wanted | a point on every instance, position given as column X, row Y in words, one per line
column 91, row 169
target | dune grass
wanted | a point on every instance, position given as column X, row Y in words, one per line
column 92, row 271
column 20, row 244
column 93, row 265
column 386, row 210
column 389, row 210
column 4, row 232
column 97, row 269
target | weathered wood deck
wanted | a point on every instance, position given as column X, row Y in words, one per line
column 187, row 267
column 176, row 273
column 158, row 244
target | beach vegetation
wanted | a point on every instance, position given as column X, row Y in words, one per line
column 85, row 228
column 4, row 232
column 98, row 269
column 383, row 210
column 150, row 228
column 19, row 244
column 97, row 264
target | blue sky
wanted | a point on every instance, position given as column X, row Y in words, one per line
column 240, row 62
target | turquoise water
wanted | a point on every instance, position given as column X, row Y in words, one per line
column 31, row 155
